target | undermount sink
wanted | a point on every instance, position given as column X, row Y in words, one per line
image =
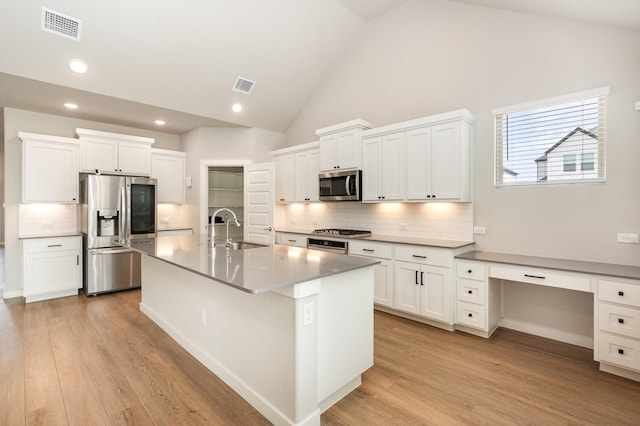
column 239, row 245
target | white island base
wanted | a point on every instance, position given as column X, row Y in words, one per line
column 291, row 353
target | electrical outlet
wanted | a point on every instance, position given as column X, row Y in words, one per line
column 308, row 314
column 479, row 230
column 403, row 226
column 628, row 238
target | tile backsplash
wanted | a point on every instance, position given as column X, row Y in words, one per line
column 47, row 219
column 452, row 221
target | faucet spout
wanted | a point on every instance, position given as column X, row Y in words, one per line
column 212, row 234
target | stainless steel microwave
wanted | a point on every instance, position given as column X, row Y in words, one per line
column 341, row 186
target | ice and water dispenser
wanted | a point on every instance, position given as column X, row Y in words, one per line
column 108, row 223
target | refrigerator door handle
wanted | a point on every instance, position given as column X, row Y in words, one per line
column 123, row 214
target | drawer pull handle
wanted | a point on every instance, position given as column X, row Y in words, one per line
column 620, row 320
column 621, row 293
column 419, row 257
column 470, row 315
column 54, row 245
column 621, row 351
column 470, row 291
column 469, row 271
column 534, row 276
column 293, row 241
column 369, row 250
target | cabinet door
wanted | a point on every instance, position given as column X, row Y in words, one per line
column 134, row 158
column 284, row 179
column 393, row 161
column 348, row 150
column 436, row 293
column 50, row 172
column 407, row 286
column 169, row 170
column 98, row 154
column 383, row 283
column 328, row 153
column 445, row 167
column 306, row 167
column 313, row 170
column 371, row 169
column 419, row 164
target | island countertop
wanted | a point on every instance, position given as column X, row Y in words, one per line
column 255, row 270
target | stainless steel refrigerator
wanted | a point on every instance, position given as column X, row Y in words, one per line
column 115, row 210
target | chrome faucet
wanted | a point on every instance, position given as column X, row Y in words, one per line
column 212, row 230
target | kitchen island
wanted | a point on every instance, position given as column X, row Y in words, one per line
column 289, row 329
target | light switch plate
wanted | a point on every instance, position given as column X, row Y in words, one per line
column 628, row 238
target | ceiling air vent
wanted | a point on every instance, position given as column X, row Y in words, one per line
column 60, row 24
column 243, row 85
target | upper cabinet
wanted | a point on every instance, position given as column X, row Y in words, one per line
column 297, row 170
column 49, row 168
column 168, row 167
column 341, row 146
column 114, row 153
column 431, row 155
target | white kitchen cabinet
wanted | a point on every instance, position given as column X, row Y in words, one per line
column 168, row 167
column 383, row 168
column 382, row 272
column 49, row 168
column 618, row 326
column 51, row 267
column 285, row 176
column 477, row 302
column 291, row 239
column 114, row 153
column 306, row 170
column 341, row 145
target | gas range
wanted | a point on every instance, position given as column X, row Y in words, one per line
column 345, row 233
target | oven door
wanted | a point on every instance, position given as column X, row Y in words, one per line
column 332, row 246
column 340, row 186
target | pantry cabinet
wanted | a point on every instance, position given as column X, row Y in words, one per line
column 114, row 153
column 49, row 168
column 383, row 168
column 341, row 145
column 51, row 267
column 168, row 167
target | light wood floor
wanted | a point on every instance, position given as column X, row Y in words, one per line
column 92, row 361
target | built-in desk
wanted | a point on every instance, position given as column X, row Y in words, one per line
column 598, row 297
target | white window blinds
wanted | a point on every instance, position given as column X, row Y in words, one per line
column 557, row 140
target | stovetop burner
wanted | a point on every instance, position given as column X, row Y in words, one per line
column 351, row 233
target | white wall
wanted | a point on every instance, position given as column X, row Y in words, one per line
column 431, row 56
column 25, row 121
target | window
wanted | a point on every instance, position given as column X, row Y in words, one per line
column 541, row 142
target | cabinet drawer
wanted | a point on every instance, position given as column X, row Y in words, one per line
column 618, row 350
column 618, row 292
column 471, row 291
column 541, row 277
column 471, row 270
column 38, row 245
column 426, row 255
column 619, row 320
column 297, row 240
column 471, row 315
column 371, row 249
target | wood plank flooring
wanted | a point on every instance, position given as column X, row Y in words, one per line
column 99, row 361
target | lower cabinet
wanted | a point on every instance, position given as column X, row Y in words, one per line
column 423, row 290
column 383, row 272
column 52, row 267
column 290, row 239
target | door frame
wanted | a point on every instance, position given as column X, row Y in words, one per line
column 204, row 186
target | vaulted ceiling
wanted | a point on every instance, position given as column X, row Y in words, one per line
column 178, row 60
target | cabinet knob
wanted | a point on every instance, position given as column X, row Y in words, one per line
column 470, row 291
column 428, row 196
column 620, row 320
column 433, row 196
column 470, row 315
column 469, row 271
column 621, row 351
column 621, row 293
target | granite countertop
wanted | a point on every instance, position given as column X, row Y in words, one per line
column 398, row 239
column 593, row 268
column 62, row 234
column 255, row 270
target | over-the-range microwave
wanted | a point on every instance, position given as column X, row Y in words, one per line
column 340, row 186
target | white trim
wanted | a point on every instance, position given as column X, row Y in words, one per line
column 541, row 103
column 459, row 114
column 204, row 186
column 358, row 123
column 36, row 137
column 295, row 149
column 81, row 133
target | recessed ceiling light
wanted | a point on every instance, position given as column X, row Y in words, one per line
column 71, row 105
column 236, row 107
column 78, row 65
column 160, row 122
